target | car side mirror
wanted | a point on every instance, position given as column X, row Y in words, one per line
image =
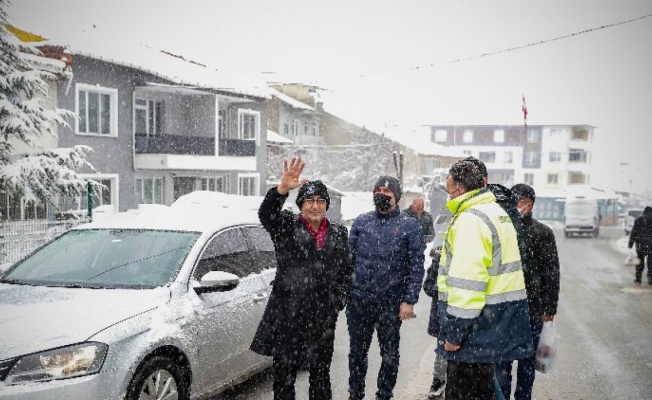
column 217, row 281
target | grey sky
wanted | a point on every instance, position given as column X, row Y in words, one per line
column 387, row 63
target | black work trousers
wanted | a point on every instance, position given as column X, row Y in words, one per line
column 641, row 265
column 469, row 381
column 285, row 375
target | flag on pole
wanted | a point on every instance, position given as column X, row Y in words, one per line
column 524, row 108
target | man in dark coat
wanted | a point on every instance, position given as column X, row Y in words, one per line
column 416, row 210
column 542, row 285
column 387, row 249
column 641, row 235
column 430, row 288
column 311, row 286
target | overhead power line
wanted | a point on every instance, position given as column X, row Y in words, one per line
column 597, row 28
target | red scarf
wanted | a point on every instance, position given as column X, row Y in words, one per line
column 320, row 234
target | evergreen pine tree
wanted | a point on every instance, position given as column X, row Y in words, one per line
column 24, row 119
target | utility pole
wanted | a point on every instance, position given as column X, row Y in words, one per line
column 398, row 166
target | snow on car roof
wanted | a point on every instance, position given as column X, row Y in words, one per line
column 197, row 211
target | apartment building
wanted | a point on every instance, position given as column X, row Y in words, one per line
column 544, row 156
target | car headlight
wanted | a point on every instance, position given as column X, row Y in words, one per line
column 65, row 362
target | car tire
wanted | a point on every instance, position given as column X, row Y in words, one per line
column 158, row 377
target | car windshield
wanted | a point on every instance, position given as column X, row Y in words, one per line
column 106, row 258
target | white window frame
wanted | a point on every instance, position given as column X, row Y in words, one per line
column 141, row 196
column 552, row 179
column 528, row 178
column 508, row 157
column 441, row 136
column 533, row 135
column 499, row 136
column 113, row 109
column 295, row 127
column 204, row 183
column 241, row 125
column 115, row 187
column 151, row 114
column 554, row 157
column 492, row 157
column 256, row 183
column 467, row 136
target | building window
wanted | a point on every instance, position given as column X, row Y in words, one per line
column 553, row 179
column 97, row 109
column 528, row 179
column 148, row 114
column 440, row 136
column 533, row 135
column 248, row 185
column 499, row 135
column 487, row 156
column 314, row 128
column 577, row 156
column 554, row 157
column 306, row 129
column 531, row 159
column 467, row 137
column 213, row 184
column 221, row 120
column 508, row 157
column 149, row 190
column 286, row 128
column 105, row 195
column 295, row 127
column 248, row 124
column 576, row 178
column 580, row 134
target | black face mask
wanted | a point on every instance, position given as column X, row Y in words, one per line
column 382, row 202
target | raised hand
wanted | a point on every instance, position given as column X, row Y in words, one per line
column 291, row 175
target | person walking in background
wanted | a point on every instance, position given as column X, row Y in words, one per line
column 430, row 288
column 311, row 286
column 416, row 210
column 641, row 236
column 483, row 302
column 542, row 285
column 387, row 250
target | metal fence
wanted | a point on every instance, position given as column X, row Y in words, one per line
column 27, row 222
column 19, row 238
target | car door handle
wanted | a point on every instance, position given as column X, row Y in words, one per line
column 259, row 297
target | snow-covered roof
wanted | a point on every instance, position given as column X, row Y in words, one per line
column 167, row 65
column 290, row 100
column 273, row 137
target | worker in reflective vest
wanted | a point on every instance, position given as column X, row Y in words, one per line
column 482, row 299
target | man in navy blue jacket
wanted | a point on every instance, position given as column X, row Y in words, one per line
column 387, row 249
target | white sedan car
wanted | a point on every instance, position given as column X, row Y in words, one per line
column 137, row 307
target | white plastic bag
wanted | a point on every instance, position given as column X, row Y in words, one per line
column 631, row 259
column 547, row 349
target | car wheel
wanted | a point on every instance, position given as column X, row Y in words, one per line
column 158, row 378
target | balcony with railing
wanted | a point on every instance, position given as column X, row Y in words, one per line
column 192, row 145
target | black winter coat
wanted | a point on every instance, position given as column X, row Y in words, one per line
column 642, row 232
column 430, row 288
column 542, row 273
column 309, row 290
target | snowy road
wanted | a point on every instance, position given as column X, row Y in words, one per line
column 604, row 322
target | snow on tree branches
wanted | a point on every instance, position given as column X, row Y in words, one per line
column 24, row 119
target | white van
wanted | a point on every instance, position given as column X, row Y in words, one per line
column 581, row 216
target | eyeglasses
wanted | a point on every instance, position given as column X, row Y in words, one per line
column 313, row 201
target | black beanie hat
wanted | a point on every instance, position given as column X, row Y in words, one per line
column 392, row 183
column 313, row 188
column 521, row 190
